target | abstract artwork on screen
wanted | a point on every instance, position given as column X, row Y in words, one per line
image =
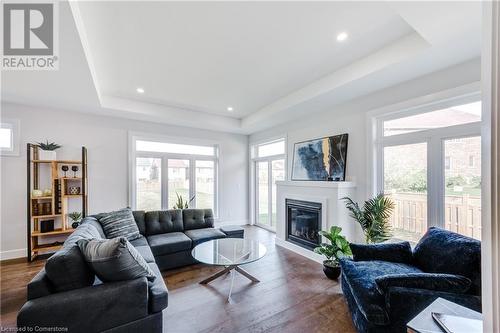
column 320, row 159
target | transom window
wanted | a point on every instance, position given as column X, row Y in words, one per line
column 429, row 163
column 166, row 171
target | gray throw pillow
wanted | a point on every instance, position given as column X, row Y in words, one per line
column 67, row 269
column 115, row 259
column 119, row 223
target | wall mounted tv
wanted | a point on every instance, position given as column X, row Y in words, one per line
column 320, row 159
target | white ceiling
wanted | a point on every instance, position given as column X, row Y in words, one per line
column 270, row 61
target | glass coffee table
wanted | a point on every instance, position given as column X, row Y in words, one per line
column 229, row 253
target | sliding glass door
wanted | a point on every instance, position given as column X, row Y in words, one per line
column 268, row 173
column 263, row 216
column 269, row 166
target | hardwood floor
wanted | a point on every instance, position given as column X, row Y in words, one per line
column 293, row 295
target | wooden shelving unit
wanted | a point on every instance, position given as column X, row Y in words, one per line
column 54, row 206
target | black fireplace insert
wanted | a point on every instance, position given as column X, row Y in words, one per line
column 303, row 223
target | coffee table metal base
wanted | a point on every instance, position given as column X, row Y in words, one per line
column 230, row 269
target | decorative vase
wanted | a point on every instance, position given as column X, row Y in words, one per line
column 74, row 190
column 75, row 224
column 331, row 272
column 47, row 155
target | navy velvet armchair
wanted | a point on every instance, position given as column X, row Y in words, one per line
column 386, row 285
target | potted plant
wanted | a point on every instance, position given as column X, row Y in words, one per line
column 338, row 248
column 181, row 203
column 75, row 217
column 47, row 151
column 374, row 217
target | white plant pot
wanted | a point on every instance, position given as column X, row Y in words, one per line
column 47, row 155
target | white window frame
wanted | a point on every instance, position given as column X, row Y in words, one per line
column 434, row 138
column 253, row 178
column 15, row 126
column 134, row 154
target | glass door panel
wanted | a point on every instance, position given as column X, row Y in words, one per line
column 205, row 182
column 178, row 180
column 462, row 173
column 405, row 180
column 262, row 172
column 148, row 183
column 277, row 173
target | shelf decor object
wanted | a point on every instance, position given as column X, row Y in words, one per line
column 49, row 199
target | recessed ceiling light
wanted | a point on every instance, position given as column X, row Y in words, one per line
column 140, row 90
column 230, row 109
column 342, row 36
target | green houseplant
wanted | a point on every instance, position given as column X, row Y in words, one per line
column 181, row 203
column 373, row 217
column 47, row 150
column 75, row 217
column 338, row 248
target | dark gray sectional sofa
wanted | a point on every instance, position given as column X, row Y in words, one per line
column 167, row 238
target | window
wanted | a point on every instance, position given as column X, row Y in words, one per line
column 429, row 163
column 9, row 137
column 269, row 165
column 405, row 180
column 457, row 115
column 163, row 171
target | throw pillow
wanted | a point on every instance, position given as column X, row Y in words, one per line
column 67, row 269
column 115, row 259
column 393, row 252
column 119, row 223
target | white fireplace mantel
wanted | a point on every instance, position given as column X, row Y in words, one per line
column 307, row 183
column 329, row 194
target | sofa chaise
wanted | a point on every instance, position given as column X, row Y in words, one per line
column 61, row 296
column 388, row 284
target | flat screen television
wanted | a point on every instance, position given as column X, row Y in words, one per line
column 320, row 159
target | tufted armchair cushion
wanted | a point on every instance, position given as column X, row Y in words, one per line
column 446, row 252
column 161, row 222
column 197, row 218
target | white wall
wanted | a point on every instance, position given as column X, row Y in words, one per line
column 107, row 141
column 352, row 118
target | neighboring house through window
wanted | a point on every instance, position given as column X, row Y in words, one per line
column 163, row 169
column 429, row 164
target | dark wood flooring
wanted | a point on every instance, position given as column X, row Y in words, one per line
column 293, row 295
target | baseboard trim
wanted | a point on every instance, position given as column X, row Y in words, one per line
column 12, row 254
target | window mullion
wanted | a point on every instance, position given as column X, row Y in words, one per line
column 192, row 180
column 270, row 192
column 435, row 182
column 164, row 182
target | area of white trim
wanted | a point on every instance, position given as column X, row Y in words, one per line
column 490, row 245
column 13, row 254
column 299, row 250
column 302, row 183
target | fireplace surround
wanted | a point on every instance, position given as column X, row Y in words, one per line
column 303, row 220
column 333, row 211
